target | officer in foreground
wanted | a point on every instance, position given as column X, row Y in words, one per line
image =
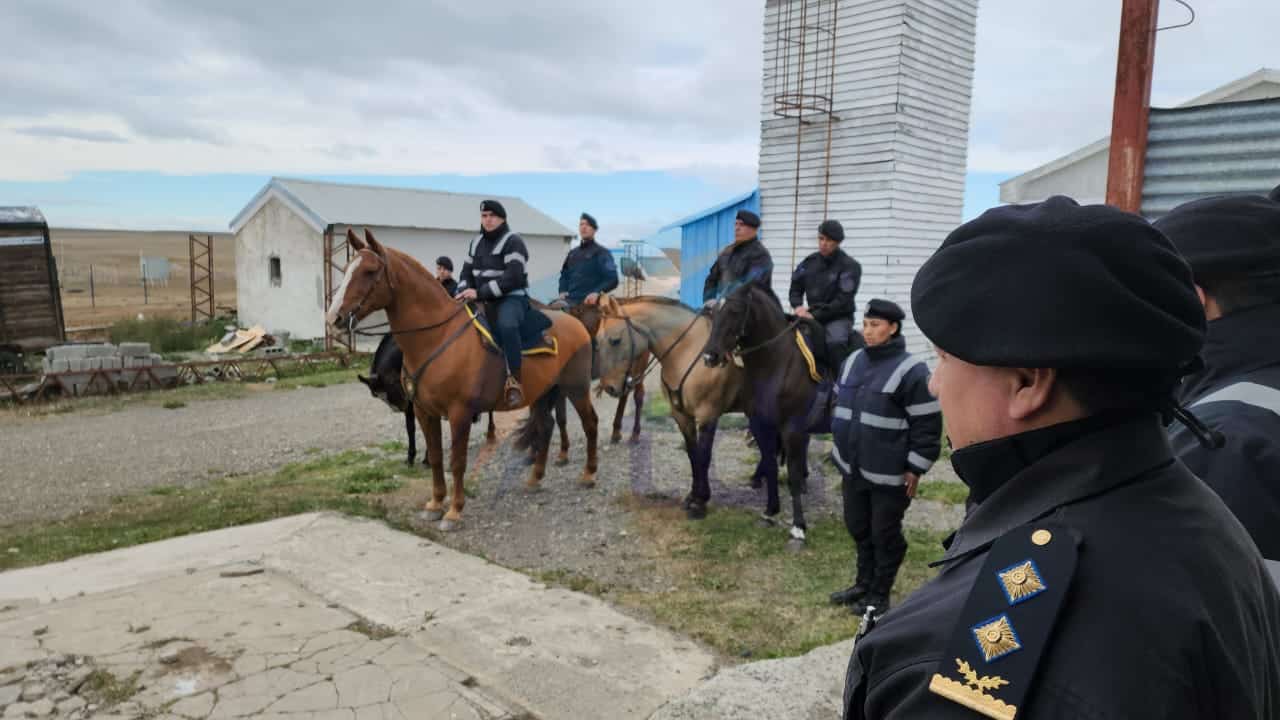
column 1096, row 577
column 1233, row 246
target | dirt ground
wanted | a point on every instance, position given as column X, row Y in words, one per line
column 117, row 288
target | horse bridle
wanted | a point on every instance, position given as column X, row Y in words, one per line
column 746, row 315
column 632, row 330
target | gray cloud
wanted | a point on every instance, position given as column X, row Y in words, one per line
column 71, row 133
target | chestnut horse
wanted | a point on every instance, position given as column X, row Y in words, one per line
column 449, row 371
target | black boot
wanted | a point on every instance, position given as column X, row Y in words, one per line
column 851, row 594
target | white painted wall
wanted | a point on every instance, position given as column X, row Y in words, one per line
column 903, row 76
column 297, row 306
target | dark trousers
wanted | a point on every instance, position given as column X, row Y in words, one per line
column 841, row 340
column 510, row 312
column 873, row 515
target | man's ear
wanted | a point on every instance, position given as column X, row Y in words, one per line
column 1032, row 391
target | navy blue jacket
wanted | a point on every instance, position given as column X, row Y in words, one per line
column 885, row 422
column 1238, row 394
column 587, row 269
column 737, row 265
column 496, row 265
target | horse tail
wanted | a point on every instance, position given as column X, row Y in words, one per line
column 535, row 431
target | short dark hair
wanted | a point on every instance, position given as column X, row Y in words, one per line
column 1241, row 292
column 1100, row 391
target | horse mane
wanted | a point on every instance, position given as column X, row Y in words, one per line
column 655, row 299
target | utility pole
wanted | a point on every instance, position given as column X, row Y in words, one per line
column 1130, row 114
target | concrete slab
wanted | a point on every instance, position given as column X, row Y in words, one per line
column 264, row 614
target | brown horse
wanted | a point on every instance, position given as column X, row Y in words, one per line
column 675, row 334
column 591, row 315
column 451, row 373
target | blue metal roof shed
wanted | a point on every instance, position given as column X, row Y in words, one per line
column 702, row 235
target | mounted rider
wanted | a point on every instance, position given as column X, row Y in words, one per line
column 747, row 260
column 588, row 271
column 829, row 279
column 495, row 272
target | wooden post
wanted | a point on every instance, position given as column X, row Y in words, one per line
column 93, row 298
column 1135, row 59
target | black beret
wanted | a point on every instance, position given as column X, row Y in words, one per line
column 445, row 263
column 494, row 207
column 885, row 310
column 832, row 229
column 1230, row 235
column 749, row 218
column 590, row 220
column 1057, row 285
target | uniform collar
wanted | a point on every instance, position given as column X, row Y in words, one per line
column 895, row 346
column 1089, row 465
column 1236, row 344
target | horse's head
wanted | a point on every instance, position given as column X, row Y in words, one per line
column 366, row 287
column 728, row 326
column 618, row 344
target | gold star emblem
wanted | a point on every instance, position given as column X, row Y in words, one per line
column 1021, row 582
column 996, row 638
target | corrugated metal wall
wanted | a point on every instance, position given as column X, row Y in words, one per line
column 701, row 240
column 1217, row 149
column 903, row 76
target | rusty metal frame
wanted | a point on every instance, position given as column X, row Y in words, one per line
column 334, row 245
column 1131, row 111
column 117, row 380
column 200, row 255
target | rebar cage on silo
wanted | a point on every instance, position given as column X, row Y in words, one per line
column 804, row 71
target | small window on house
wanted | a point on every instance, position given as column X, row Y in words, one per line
column 273, row 267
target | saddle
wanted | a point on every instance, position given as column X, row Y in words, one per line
column 534, row 339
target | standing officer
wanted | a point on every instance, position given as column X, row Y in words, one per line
column 1233, row 246
column 588, row 269
column 886, row 428
column 444, row 273
column 1096, row 577
column 829, row 278
column 495, row 273
column 747, row 260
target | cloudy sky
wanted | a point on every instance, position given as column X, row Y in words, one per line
column 171, row 114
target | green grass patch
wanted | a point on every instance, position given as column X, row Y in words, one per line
column 948, row 492
column 104, row 688
column 656, row 407
column 174, row 404
column 352, row 482
column 738, row 589
column 167, row 335
column 562, row 577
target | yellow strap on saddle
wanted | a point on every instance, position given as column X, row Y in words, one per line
column 808, row 357
column 552, row 349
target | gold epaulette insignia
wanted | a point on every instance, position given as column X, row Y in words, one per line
column 970, row 693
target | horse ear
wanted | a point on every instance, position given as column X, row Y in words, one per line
column 374, row 245
column 354, row 240
column 608, row 306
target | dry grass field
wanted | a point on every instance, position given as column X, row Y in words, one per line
column 117, row 285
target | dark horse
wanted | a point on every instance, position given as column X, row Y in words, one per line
column 384, row 383
column 780, row 390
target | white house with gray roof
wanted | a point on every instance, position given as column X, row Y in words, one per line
column 280, row 243
column 1083, row 174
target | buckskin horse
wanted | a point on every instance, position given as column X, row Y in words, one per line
column 783, row 379
column 675, row 335
column 590, row 316
column 450, row 371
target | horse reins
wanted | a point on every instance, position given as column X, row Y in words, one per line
column 656, row 360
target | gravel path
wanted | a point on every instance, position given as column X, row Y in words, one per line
column 60, row 465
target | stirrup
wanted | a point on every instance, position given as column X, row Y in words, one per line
column 512, row 392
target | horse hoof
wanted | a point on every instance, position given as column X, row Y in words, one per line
column 432, row 515
column 757, row 482
column 562, row 460
column 766, row 521
column 695, row 511
column 635, row 438
column 450, row 525
column 796, row 546
column 615, row 438
column 533, row 487
column 588, row 480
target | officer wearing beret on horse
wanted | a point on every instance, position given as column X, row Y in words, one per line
column 588, row 269
column 444, row 273
column 1233, row 246
column 496, row 273
column 747, row 260
column 886, row 430
column 823, row 287
column 1096, row 577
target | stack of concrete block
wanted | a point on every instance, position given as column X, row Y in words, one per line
column 104, row 356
